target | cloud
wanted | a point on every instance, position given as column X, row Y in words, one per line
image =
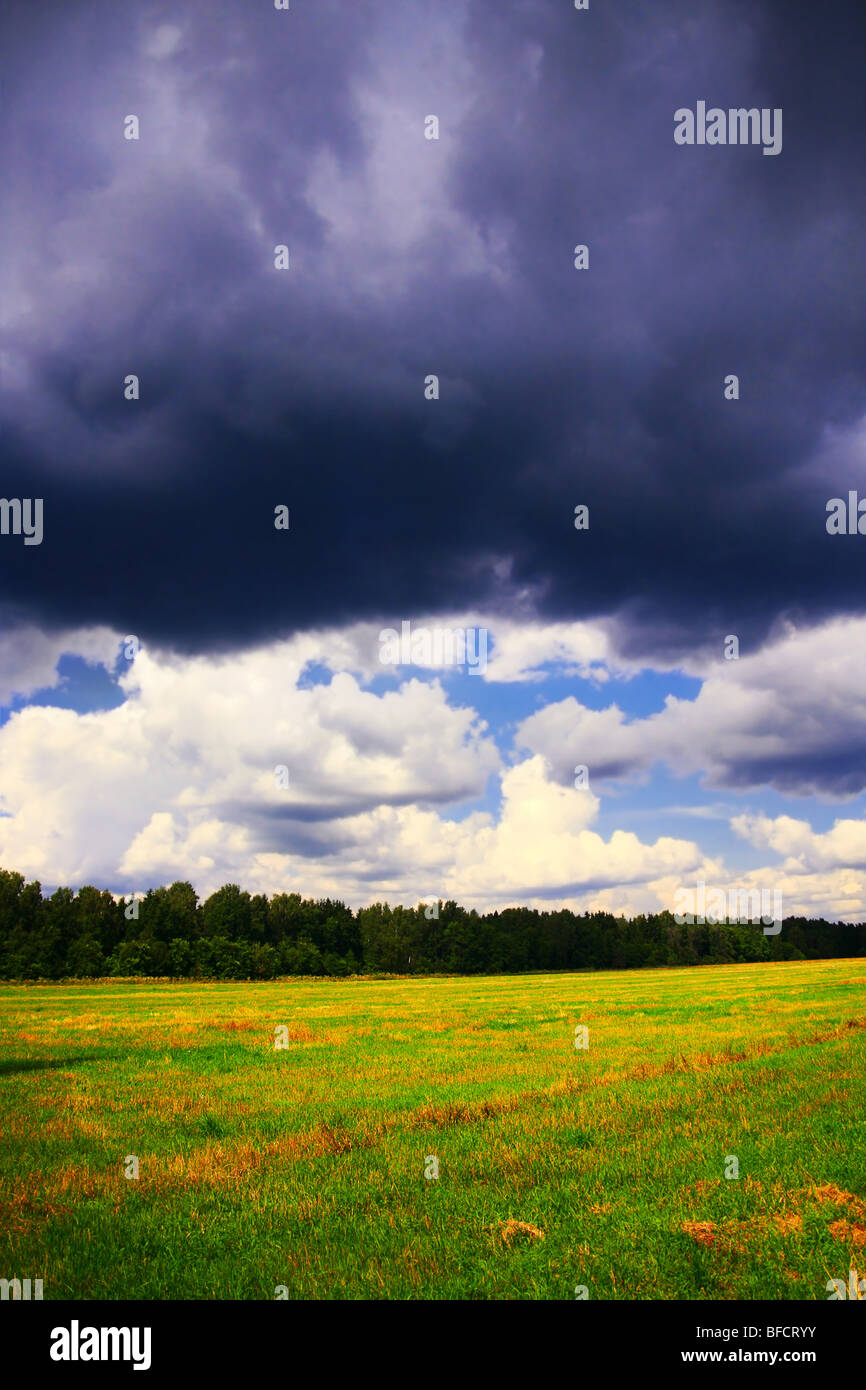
column 179, row 780
column 29, row 657
column 200, row 740
column 542, row 847
column 791, row 715
column 410, row 257
column 528, row 651
column 517, row 650
column 163, row 42
column 807, row 852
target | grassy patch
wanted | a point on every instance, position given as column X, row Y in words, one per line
column 558, row 1167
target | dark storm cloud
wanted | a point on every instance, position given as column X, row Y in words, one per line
column 412, row 256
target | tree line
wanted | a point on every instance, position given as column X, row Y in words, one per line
column 235, row 935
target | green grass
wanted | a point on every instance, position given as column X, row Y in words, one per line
column 304, row 1167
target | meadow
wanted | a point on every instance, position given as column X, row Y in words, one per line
column 606, row 1168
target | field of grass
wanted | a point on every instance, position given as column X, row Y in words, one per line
column 305, row 1166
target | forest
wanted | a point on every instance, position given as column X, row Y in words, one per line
column 235, row 935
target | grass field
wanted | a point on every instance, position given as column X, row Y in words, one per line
column 305, row 1166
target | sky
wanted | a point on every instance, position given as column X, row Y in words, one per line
column 671, row 692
